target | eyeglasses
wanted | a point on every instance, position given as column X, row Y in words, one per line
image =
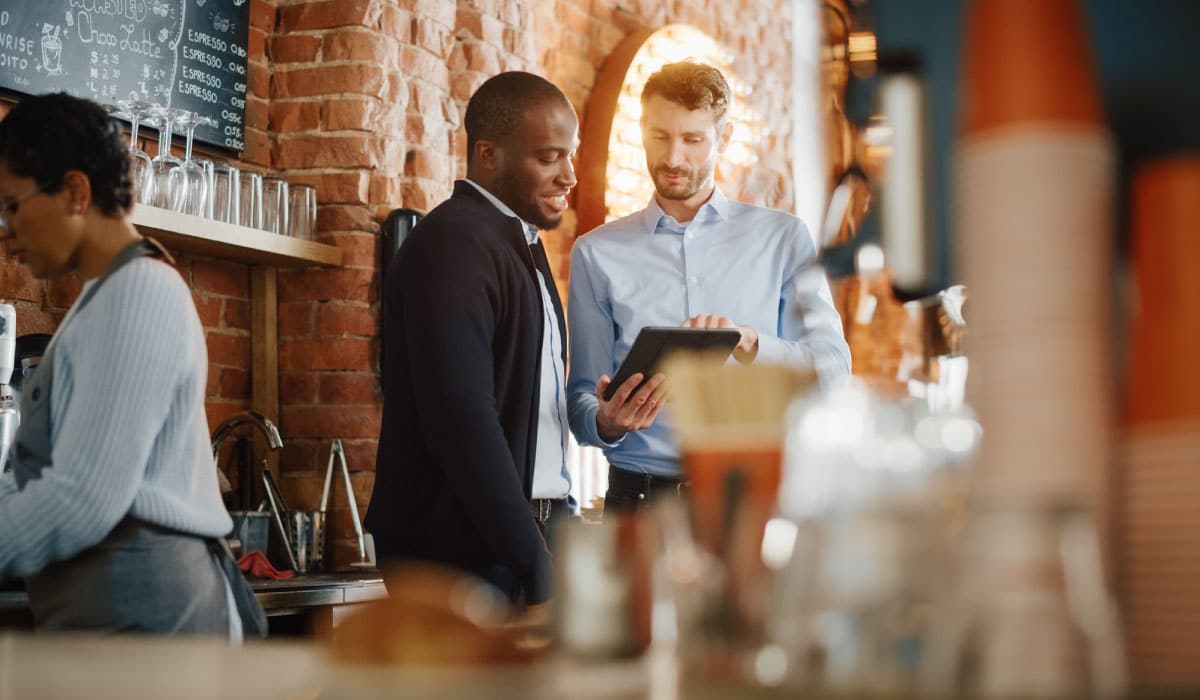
column 7, row 209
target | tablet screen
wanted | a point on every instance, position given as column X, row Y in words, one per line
column 654, row 343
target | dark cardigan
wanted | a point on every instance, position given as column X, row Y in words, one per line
column 462, row 339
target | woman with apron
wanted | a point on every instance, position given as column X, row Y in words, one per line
column 111, row 511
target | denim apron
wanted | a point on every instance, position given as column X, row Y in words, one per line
column 141, row 577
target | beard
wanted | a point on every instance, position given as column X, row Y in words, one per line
column 525, row 204
column 692, row 184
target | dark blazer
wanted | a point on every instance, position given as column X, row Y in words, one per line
column 462, row 333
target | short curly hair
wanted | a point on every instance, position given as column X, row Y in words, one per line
column 498, row 107
column 692, row 84
column 45, row 136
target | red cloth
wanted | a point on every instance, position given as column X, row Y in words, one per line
column 255, row 565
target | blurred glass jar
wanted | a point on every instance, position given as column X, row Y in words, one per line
column 1030, row 615
column 876, row 489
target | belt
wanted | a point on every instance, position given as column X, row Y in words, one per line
column 645, row 484
column 545, row 509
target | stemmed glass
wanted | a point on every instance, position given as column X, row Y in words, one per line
column 165, row 169
column 195, row 181
column 133, row 111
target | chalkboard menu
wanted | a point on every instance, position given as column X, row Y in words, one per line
column 189, row 54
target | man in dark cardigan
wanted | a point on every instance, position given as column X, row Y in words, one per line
column 466, row 303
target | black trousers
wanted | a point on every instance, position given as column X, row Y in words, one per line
column 630, row 491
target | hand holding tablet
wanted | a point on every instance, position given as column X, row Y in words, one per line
column 654, row 343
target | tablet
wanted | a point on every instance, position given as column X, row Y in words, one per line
column 654, row 343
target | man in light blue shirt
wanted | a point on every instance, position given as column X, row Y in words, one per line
column 691, row 257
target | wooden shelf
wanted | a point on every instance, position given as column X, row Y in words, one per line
column 193, row 234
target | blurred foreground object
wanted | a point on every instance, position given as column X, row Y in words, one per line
column 432, row 617
column 1035, row 216
column 1034, row 212
column 1158, row 521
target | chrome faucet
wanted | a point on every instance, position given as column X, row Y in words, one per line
column 258, row 420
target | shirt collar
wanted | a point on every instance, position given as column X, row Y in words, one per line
column 717, row 205
column 531, row 231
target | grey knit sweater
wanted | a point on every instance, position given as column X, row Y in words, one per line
column 128, row 425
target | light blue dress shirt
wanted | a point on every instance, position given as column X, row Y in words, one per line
column 550, row 476
column 750, row 264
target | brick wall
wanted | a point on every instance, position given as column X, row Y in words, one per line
column 364, row 99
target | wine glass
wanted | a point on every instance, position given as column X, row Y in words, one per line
column 195, row 185
column 164, row 167
column 134, row 111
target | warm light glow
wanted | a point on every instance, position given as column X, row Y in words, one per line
column 863, row 53
column 628, row 185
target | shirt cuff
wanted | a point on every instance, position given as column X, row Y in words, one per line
column 593, row 431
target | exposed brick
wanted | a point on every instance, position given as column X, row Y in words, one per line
column 346, row 187
column 298, row 387
column 257, row 147
column 385, row 189
column 237, row 314
column 360, row 456
column 208, row 308
column 353, row 113
column 441, row 11
column 228, row 350
column 483, row 58
column 332, row 354
column 288, row 117
column 303, row 491
column 572, row 18
column 433, row 37
column 416, row 61
column 358, row 249
column 257, row 113
column 482, row 27
column 18, row 283
column 219, row 277
column 328, row 151
column 343, row 320
column 345, row 218
column 425, row 163
column 426, row 129
column 358, row 78
column 33, row 317
column 294, row 48
column 417, row 196
column 342, row 524
column 325, row 421
column 299, row 457
column 326, row 285
column 62, row 291
column 258, row 80
column 296, row 319
column 235, row 383
column 396, row 23
column 347, row 389
column 327, row 15
column 262, row 15
column 575, row 69
column 212, row 382
column 463, row 85
column 360, row 45
column 605, row 36
column 219, row 410
column 256, row 42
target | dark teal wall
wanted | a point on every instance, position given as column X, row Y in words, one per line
column 1148, row 55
